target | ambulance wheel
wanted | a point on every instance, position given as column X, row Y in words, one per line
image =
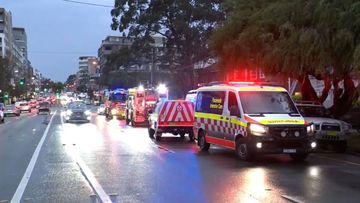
column 151, row 132
column 204, row 146
column 243, row 151
column 182, row 135
column 191, row 136
column 299, row 157
column 158, row 136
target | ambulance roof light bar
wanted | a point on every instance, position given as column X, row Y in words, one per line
column 244, row 83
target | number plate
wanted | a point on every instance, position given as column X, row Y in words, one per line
column 332, row 133
column 172, row 124
column 289, row 151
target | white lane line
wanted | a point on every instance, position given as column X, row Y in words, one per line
column 25, row 179
column 339, row 160
column 163, row 148
column 291, row 199
column 89, row 176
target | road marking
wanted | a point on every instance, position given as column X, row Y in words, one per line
column 164, row 148
column 25, row 179
column 89, row 176
column 339, row 160
column 291, row 199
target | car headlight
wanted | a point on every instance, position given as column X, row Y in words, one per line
column 258, row 130
column 310, row 129
column 114, row 111
column 68, row 112
column 346, row 126
column 87, row 112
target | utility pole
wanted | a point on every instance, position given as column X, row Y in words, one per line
column 152, row 67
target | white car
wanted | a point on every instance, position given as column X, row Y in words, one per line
column 328, row 130
column 24, row 106
column 2, row 119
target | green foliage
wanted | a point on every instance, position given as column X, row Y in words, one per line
column 184, row 25
column 291, row 36
column 71, row 79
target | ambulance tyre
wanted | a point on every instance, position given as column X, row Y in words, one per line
column 243, row 151
column 158, row 136
column 151, row 132
column 298, row 157
column 182, row 135
column 191, row 136
column 204, row 146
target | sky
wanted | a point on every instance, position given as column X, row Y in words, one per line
column 58, row 32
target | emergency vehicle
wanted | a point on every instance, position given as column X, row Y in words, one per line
column 139, row 103
column 115, row 106
column 172, row 116
column 251, row 118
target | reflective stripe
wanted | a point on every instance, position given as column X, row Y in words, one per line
column 220, row 118
column 209, row 115
column 236, row 121
column 282, row 121
column 274, row 89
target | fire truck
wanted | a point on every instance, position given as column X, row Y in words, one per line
column 115, row 106
column 142, row 100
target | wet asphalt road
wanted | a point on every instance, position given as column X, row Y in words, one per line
column 78, row 161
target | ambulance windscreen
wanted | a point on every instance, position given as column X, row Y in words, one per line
column 266, row 102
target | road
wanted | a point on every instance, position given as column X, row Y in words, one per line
column 111, row 162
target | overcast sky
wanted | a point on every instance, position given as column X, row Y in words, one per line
column 59, row 32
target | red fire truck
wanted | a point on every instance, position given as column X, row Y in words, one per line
column 141, row 100
column 115, row 106
column 139, row 103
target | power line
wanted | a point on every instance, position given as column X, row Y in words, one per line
column 59, row 52
column 89, row 4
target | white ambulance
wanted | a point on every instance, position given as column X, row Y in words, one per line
column 251, row 118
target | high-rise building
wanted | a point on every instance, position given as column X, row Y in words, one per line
column 110, row 45
column 88, row 71
column 6, row 36
column 20, row 40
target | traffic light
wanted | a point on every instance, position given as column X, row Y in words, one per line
column 22, row 82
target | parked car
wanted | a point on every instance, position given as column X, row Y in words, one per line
column 2, row 119
column 2, row 106
column 44, row 107
column 11, row 110
column 328, row 130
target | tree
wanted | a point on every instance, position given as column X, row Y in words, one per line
column 296, row 38
column 71, row 79
column 185, row 26
column 5, row 74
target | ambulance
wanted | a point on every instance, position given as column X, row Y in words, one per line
column 172, row 116
column 252, row 119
